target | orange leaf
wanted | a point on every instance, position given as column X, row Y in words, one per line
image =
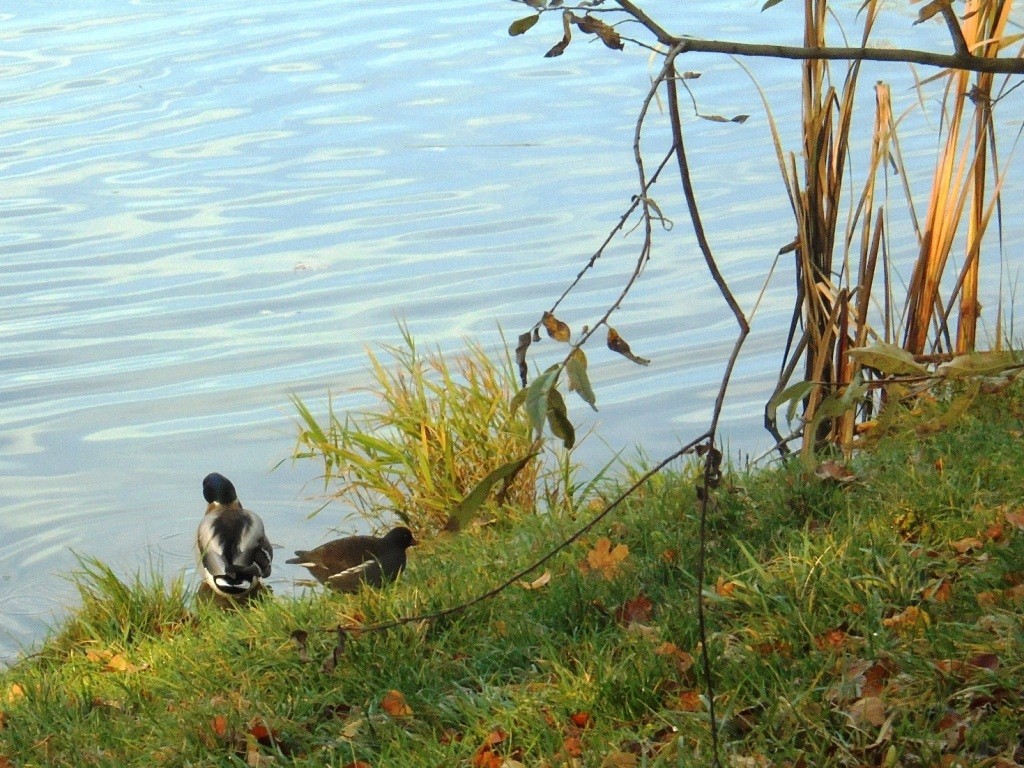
column 725, row 588
column 689, row 701
column 219, row 724
column 15, row 692
column 940, row 593
column 580, row 719
column 556, row 329
column 358, row 764
column 833, row 639
column 572, row 746
column 394, row 704
column 606, row 559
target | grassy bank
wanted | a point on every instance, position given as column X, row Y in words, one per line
column 866, row 621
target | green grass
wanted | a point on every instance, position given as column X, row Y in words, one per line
column 849, row 624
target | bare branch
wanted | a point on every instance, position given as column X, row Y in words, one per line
column 961, row 59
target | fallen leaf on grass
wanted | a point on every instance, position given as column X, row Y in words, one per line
column 580, row 719
column 639, row 609
column 357, row 764
column 938, row 593
column 619, row 760
column 485, row 755
column 1016, row 518
column 15, row 692
column 219, row 725
column 605, row 558
column 910, row 619
column 113, row 662
column 834, row 639
column 572, row 746
column 725, row 588
column 689, row 701
column 868, row 710
column 963, row 546
column 683, row 660
column 832, row 470
column 395, row 705
column 537, row 583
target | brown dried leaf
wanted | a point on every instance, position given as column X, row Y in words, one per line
column 639, row 609
column 832, row 470
column 537, row 583
column 618, row 344
column 683, row 659
column 963, row 546
column 521, row 347
column 1016, row 518
column 572, row 746
column 869, row 710
column 619, row 760
column 556, row 329
column 593, row 25
column 395, row 705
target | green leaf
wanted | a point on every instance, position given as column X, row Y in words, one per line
column 558, row 419
column 794, row 395
column 536, row 401
column 978, row 364
column 576, row 368
column 889, row 359
column 520, row 26
column 466, row 509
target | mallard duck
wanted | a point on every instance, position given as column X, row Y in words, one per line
column 232, row 550
column 346, row 564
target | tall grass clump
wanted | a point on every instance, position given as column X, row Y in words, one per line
column 846, row 298
column 441, row 424
column 120, row 613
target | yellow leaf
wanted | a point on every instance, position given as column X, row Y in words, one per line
column 606, row 559
column 537, row 583
column 15, row 692
column 619, row 760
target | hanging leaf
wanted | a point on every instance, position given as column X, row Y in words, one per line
column 889, row 359
column 558, row 419
column 618, row 344
column 556, row 329
column 466, row 509
column 576, row 368
column 521, row 347
column 688, row 75
column 559, row 48
column 741, row 119
column 594, row 26
column 769, row 4
column 536, row 399
column 520, row 26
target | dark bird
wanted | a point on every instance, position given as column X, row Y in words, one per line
column 232, row 550
column 346, row 564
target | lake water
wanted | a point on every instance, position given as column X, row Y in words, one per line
column 209, row 207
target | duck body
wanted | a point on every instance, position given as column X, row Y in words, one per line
column 346, row 564
column 232, row 550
